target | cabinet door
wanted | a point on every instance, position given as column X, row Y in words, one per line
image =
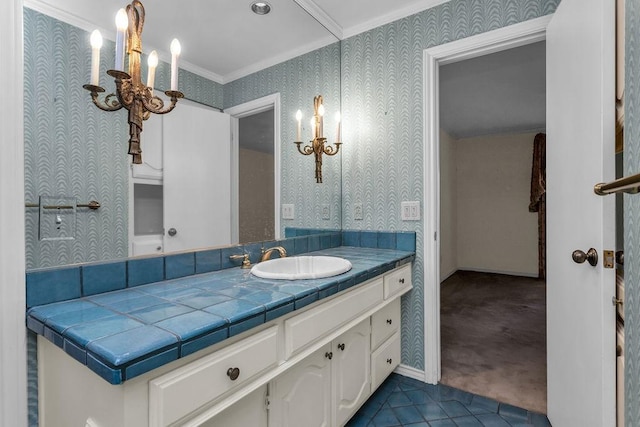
column 302, row 395
column 351, row 371
column 249, row 411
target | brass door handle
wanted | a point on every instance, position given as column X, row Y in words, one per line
column 591, row 256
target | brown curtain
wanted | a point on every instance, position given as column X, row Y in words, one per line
column 537, row 201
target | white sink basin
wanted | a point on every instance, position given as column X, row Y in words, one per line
column 301, row 267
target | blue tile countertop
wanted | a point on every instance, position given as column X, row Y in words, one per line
column 122, row 334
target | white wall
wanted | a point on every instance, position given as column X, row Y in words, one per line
column 495, row 230
column 448, row 206
column 13, row 365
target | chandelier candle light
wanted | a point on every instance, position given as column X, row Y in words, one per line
column 131, row 93
column 318, row 142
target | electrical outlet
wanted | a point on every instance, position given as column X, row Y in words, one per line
column 326, row 211
column 357, row 211
column 410, row 211
column 288, row 211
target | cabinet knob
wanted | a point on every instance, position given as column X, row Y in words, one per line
column 329, row 355
column 389, row 361
column 389, row 321
column 341, row 346
column 401, row 280
column 233, row 373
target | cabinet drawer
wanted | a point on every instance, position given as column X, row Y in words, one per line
column 384, row 360
column 305, row 328
column 397, row 281
column 384, row 323
column 184, row 390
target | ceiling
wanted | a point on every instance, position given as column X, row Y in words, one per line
column 504, row 92
column 223, row 40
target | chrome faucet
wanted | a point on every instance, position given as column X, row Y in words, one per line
column 266, row 253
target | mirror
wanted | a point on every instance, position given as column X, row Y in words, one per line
column 73, row 149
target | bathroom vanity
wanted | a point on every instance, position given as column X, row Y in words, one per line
column 318, row 362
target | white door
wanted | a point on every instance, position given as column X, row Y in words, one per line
column 580, row 153
column 196, row 178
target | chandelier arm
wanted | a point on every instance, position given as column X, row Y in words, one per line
column 157, row 106
column 307, row 150
column 110, row 102
column 332, row 151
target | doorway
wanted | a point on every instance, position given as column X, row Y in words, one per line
column 256, row 206
column 493, row 307
column 253, row 120
column 496, row 41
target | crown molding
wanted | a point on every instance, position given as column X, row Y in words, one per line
column 321, row 16
column 391, row 17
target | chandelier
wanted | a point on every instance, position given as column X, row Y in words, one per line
column 318, row 141
column 131, row 93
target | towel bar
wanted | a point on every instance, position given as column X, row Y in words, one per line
column 628, row 184
column 91, row 205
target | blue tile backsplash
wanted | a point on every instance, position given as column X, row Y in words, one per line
column 125, row 318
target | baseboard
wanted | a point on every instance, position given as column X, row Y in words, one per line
column 446, row 276
column 508, row 273
column 408, row 371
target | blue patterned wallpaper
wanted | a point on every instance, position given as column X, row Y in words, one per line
column 382, row 100
column 298, row 81
column 632, row 216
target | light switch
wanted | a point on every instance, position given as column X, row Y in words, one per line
column 288, row 211
column 357, row 211
column 326, row 211
column 410, row 211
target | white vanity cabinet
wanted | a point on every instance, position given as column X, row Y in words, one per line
column 314, row 366
column 326, row 388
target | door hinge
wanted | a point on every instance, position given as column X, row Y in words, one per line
column 267, row 402
column 435, row 236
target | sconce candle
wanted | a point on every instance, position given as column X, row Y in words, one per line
column 321, row 119
column 96, row 44
column 152, row 61
column 318, row 142
column 299, row 119
column 338, row 126
column 312, row 123
column 175, row 52
column 121, row 24
column 131, row 93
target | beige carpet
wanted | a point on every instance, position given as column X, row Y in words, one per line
column 493, row 330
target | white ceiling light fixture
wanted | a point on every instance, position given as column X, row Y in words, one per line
column 260, row 7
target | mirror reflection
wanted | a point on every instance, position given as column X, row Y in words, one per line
column 248, row 78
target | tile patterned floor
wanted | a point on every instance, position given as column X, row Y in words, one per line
column 402, row 401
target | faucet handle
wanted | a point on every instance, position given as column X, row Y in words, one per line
column 246, row 263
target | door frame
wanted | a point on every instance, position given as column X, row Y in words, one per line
column 237, row 112
column 471, row 47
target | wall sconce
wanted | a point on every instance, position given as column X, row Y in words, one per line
column 131, row 93
column 317, row 146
